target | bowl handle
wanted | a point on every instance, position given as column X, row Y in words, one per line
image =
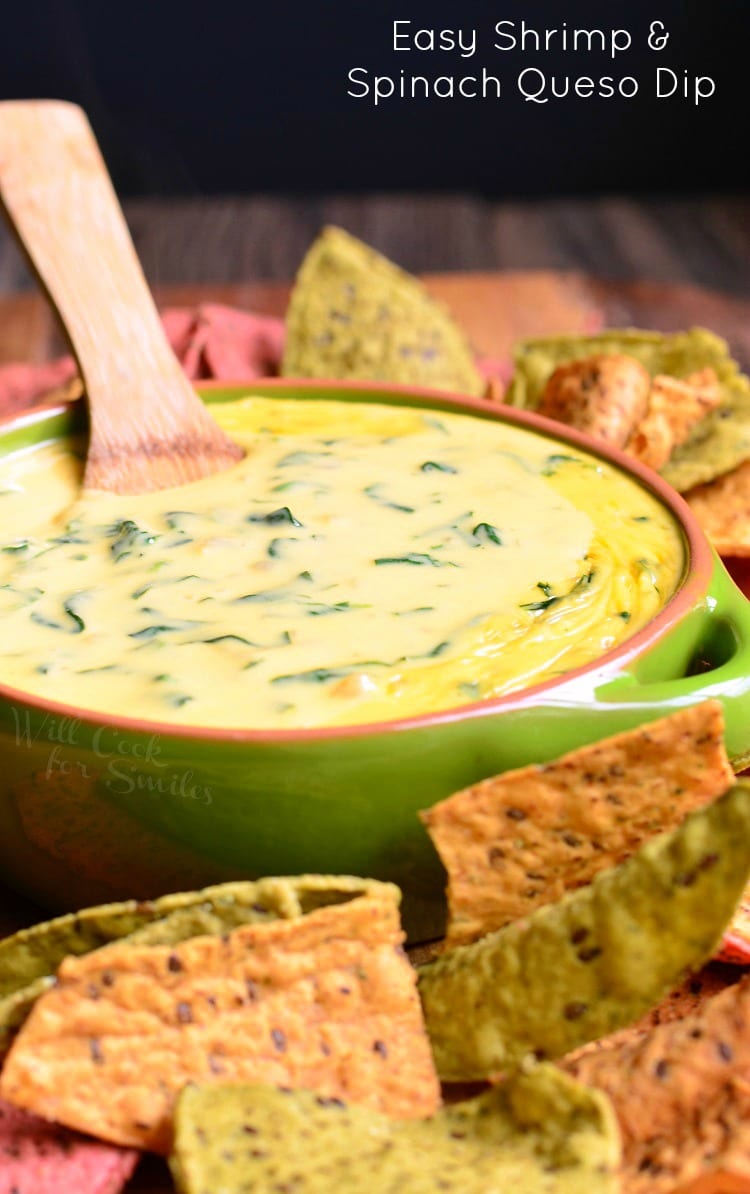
column 710, row 650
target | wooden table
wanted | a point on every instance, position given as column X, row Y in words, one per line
column 699, row 239
column 495, row 308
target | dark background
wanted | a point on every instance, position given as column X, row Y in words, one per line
column 209, row 97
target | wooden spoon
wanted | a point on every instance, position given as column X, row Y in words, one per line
column 149, row 430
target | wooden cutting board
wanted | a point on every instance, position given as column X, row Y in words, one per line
column 496, row 309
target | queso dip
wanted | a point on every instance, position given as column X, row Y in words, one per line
column 363, row 562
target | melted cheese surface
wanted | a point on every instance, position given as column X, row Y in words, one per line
column 363, row 562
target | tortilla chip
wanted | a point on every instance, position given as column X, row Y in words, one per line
column 29, row 958
column 326, row 1002
column 597, row 960
column 523, row 839
column 723, row 509
column 535, row 1133
column 715, row 445
column 735, row 947
column 605, row 395
column 685, row 1000
column 682, row 1098
column 37, row 951
column 37, row 1157
column 15, row 1008
column 353, row 314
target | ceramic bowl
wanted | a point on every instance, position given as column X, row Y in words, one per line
column 97, row 807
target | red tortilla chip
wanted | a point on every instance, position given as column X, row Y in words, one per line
column 326, row 1002
column 525, row 838
column 37, row 1157
column 735, row 947
column 682, row 1099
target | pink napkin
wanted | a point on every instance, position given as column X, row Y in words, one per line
column 211, row 341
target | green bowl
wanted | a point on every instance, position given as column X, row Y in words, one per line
column 96, row 807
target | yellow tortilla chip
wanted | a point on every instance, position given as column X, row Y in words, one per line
column 523, row 839
column 326, row 1002
column 722, row 507
column 682, row 1099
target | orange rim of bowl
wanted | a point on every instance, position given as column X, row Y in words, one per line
column 699, row 570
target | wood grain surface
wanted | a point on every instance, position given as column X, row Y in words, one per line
column 703, row 239
column 495, row 308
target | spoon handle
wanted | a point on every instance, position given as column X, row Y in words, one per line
column 148, row 428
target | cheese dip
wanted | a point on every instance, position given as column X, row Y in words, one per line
column 363, row 562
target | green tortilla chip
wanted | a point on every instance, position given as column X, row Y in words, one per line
column 534, row 1133
column 37, row 951
column 353, row 314
column 576, row 970
column 717, row 444
column 30, row 957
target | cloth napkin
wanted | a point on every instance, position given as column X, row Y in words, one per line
column 210, row 341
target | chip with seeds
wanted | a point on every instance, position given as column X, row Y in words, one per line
column 683, row 1001
column 37, row 951
column 15, row 1008
column 353, row 314
column 326, row 1001
column 29, row 958
column 523, row 839
column 536, row 1133
column 37, row 1157
column 682, row 1099
column 598, row 959
column 722, row 507
column 715, row 443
